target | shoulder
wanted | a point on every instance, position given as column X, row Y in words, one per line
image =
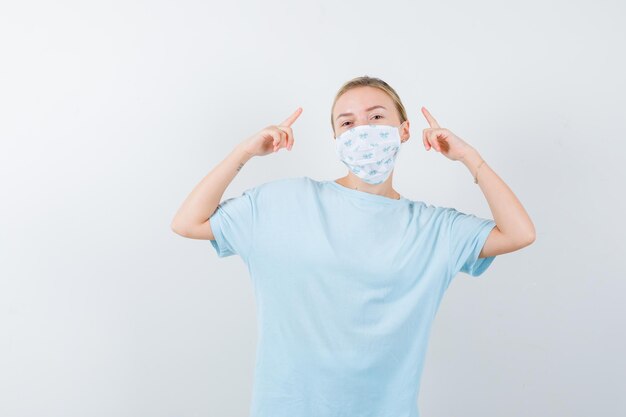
column 428, row 213
column 454, row 220
column 280, row 189
column 283, row 184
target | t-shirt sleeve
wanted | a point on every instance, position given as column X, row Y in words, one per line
column 468, row 234
column 232, row 224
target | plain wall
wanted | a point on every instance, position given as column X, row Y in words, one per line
column 112, row 111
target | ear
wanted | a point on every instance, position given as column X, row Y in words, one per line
column 405, row 134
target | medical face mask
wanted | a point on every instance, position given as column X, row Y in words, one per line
column 369, row 151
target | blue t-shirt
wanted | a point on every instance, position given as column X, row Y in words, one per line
column 346, row 284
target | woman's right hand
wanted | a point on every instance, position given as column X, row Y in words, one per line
column 271, row 138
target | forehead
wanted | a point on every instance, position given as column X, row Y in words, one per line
column 360, row 98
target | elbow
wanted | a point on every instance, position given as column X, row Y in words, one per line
column 177, row 228
column 528, row 239
column 521, row 240
column 526, row 234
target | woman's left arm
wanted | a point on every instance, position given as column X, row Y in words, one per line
column 514, row 229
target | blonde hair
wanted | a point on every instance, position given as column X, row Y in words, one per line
column 367, row 81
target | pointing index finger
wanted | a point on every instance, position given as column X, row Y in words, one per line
column 431, row 120
column 289, row 120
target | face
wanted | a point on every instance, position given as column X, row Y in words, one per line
column 354, row 108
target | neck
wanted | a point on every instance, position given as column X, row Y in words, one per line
column 384, row 189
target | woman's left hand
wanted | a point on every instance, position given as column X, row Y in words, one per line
column 443, row 140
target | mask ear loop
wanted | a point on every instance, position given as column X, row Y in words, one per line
column 401, row 141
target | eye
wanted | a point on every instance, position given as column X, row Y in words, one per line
column 376, row 115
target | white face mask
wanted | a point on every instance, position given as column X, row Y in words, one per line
column 369, row 151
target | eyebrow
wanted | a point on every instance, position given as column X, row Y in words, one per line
column 350, row 114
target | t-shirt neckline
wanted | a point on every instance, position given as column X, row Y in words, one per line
column 364, row 195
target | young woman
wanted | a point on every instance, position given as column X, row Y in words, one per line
column 348, row 274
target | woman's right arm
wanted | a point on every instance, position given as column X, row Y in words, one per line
column 192, row 218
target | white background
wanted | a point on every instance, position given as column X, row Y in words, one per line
column 112, row 111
